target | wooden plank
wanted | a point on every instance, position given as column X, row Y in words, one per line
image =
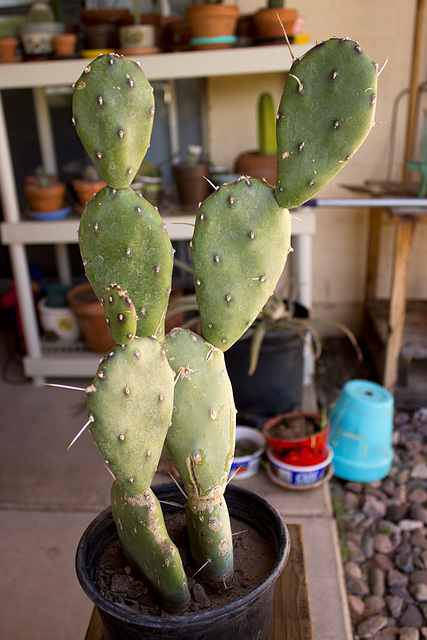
column 375, row 219
column 402, row 253
column 291, row 618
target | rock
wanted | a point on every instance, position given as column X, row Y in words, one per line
column 412, row 617
column 404, row 562
column 199, row 595
column 395, row 606
column 374, row 604
column 403, row 593
column 409, row 633
column 373, row 507
column 419, row 471
column 418, row 576
column 388, row 633
column 423, row 557
column 369, row 627
column 368, row 546
column 376, row 580
column 396, row 512
column 419, row 591
column 418, row 512
column 396, row 579
column 357, row 587
column 418, row 495
column 419, row 539
column 383, row 562
column 120, row 583
column 352, row 570
column 382, row 543
column 410, row 525
column 356, row 604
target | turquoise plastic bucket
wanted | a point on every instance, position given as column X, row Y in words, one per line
column 361, row 431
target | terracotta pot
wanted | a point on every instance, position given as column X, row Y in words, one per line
column 302, row 451
column 101, row 27
column 90, row 316
column 190, row 180
column 64, row 45
column 86, row 190
column 212, row 26
column 257, row 165
column 45, row 198
column 8, row 48
column 269, row 22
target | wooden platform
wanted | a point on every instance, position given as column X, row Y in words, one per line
column 291, row 609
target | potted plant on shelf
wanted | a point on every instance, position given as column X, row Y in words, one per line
column 263, row 162
column 271, row 21
column 212, row 24
column 191, row 177
column 44, row 193
column 87, row 185
column 152, row 389
column 138, row 37
column 37, row 33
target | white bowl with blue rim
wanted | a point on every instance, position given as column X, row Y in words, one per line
column 253, row 442
column 290, row 475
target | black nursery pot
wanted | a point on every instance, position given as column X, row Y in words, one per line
column 276, row 385
column 245, row 618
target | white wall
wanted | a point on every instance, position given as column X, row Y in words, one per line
column 383, row 28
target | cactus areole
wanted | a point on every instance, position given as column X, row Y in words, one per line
column 152, row 390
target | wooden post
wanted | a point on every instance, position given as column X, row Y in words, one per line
column 405, row 228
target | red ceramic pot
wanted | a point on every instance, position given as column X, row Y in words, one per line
column 298, row 438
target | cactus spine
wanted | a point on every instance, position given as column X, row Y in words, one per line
column 151, row 389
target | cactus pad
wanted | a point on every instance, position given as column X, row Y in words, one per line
column 120, row 314
column 146, row 543
column 326, row 111
column 200, row 443
column 240, row 244
column 113, row 111
column 124, row 241
column 130, row 406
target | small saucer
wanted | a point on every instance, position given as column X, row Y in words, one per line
column 59, row 214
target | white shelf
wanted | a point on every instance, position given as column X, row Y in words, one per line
column 162, row 66
column 17, row 233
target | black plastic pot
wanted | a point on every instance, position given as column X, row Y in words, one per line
column 243, row 619
column 276, row 385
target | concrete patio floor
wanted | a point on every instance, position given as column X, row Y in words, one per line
column 49, row 495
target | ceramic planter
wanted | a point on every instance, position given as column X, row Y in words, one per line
column 269, row 23
column 90, row 316
column 64, row 45
column 135, row 37
column 191, row 183
column 86, row 190
column 36, row 37
column 8, row 47
column 298, row 448
column 50, row 198
column 212, row 26
column 247, row 617
column 58, row 323
column 257, row 165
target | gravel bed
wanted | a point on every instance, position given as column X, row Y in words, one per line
column 382, row 525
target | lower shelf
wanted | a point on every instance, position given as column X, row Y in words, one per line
column 61, row 359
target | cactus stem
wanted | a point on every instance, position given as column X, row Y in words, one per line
column 91, row 419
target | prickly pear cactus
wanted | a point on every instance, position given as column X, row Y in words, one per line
column 144, row 537
column 130, row 406
column 239, row 248
column 113, row 111
column 200, row 443
column 120, row 314
column 124, row 241
column 326, row 111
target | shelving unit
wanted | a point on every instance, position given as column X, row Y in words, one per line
column 17, row 232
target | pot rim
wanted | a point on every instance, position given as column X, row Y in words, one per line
column 191, row 620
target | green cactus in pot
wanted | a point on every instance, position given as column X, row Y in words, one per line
column 152, row 390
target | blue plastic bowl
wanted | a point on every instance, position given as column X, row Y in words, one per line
column 361, row 431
